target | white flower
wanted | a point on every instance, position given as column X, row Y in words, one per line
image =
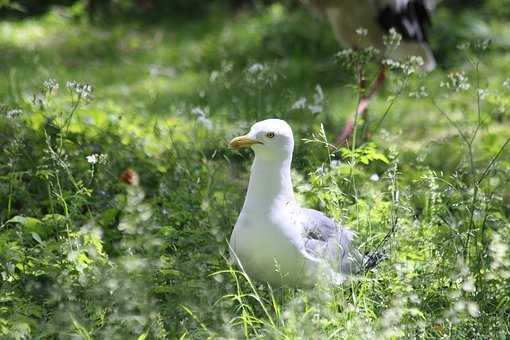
column 483, row 93
column 318, row 100
column 362, row 31
column 13, row 113
column 88, row 120
column 50, row 85
column 299, row 104
column 97, row 158
column 214, row 75
column 206, row 122
column 419, row 93
column 473, row 310
column 159, row 70
column 458, row 81
column 199, row 112
column 506, row 84
column 468, row 285
column 201, row 116
column 92, row 159
column 319, row 94
column 254, row 68
column 374, row 177
column 316, row 107
column 81, row 89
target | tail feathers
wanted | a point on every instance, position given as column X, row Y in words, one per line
column 373, row 258
column 429, row 60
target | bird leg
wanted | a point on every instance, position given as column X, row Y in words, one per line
column 361, row 110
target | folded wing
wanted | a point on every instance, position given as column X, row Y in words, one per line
column 326, row 240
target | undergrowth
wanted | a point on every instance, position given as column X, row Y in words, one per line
column 116, row 200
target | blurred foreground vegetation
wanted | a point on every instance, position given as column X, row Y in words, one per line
column 90, row 104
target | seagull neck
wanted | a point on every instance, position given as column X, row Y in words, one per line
column 270, row 182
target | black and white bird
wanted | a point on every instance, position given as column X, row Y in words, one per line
column 409, row 18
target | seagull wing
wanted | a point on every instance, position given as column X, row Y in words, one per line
column 326, row 240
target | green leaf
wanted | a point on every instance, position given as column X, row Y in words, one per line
column 28, row 222
column 36, row 237
column 143, row 336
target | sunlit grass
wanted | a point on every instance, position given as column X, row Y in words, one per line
column 87, row 251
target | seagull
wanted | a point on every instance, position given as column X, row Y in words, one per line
column 409, row 18
column 275, row 240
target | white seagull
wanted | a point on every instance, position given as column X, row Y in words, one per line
column 409, row 18
column 274, row 239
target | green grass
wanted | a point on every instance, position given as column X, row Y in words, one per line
column 83, row 254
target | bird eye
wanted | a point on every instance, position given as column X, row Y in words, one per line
column 270, row 134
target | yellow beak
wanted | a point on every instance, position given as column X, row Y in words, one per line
column 243, row 142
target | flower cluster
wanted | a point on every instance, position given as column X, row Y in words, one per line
column 457, row 81
column 316, row 107
column 11, row 114
column 350, row 58
column 97, row 158
column 50, row 86
column 261, row 74
column 392, row 40
column 201, row 116
column 506, row 83
column 421, row 92
column 83, row 90
column 408, row 67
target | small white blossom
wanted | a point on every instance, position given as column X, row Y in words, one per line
column 483, row 93
column 92, row 159
column 50, row 85
column 88, row 120
column 319, row 94
column 362, row 31
column 318, row 100
column 473, row 309
column 419, row 93
column 468, row 285
column 159, row 70
column 97, row 158
column 254, row 68
column 13, row 113
column 201, row 116
column 82, row 90
column 214, row 75
column 374, row 177
column 206, row 122
column 458, row 81
column 315, row 107
column 299, row 104
column 463, row 46
column 506, row 83
column 392, row 40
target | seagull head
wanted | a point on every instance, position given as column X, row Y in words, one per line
column 270, row 139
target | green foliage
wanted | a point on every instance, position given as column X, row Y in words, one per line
column 118, row 192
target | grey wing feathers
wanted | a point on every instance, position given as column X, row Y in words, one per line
column 324, row 239
column 318, row 226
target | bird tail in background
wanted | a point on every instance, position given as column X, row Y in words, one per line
column 429, row 60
